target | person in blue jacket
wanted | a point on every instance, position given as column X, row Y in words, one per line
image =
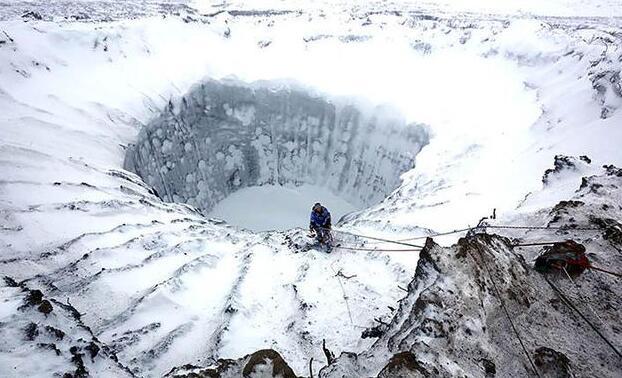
column 320, row 223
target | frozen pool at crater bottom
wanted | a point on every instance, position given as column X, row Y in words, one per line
column 274, row 207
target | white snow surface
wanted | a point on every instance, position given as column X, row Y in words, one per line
column 162, row 285
column 276, row 207
column 603, row 8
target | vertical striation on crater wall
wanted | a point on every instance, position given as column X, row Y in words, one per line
column 224, row 136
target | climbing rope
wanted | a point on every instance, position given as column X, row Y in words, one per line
column 373, row 238
column 343, row 291
column 567, row 228
column 619, row 275
column 576, row 285
column 466, row 229
column 439, row 234
column 570, row 305
column 507, row 314
column 534, row 244
column 377, row 249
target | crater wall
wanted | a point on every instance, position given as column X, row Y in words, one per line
column 224, row 136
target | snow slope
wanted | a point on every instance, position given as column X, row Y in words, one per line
column 160, row 285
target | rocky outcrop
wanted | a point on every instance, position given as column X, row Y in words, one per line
column 478, row 309
column 403, row 365
column 52, row 333
column 261, row 364
column 562, row 164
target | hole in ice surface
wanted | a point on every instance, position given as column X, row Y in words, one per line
column 269, row 154
column 275, row 207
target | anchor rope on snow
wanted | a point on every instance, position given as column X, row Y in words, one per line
column 485, row 264
column 377, row 249
column 585, row 301
column 570, row 305
column 507, row 314
column 372, row 237
column 466, row 229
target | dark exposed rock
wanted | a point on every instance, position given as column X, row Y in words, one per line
column 51, row 347
column 55, row 332
column 45, row 307
column 33, row 298
column 403, row 365
column 588, row 182
column 262, row 357
column 561, row 163
column 374, row 332
column 612, row 228
column 565, row 205
column 222, row 367
column 585, row 159
column 263, row 363
column 612, row 170
column 69, row 308
column 192, row 371
column 31, row 331
column 93, row 350
column 489, row 367
column 433, row 328
column 10, row 282
column 34, row 15
column 552, row 364
column 605, row 82
column 78, row 361
column 474, row 292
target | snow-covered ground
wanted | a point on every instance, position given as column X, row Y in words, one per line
column 159, row 284
column 276, row 207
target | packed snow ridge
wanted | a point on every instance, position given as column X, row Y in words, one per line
column 225, row 136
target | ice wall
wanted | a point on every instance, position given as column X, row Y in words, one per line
column 224, row 136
